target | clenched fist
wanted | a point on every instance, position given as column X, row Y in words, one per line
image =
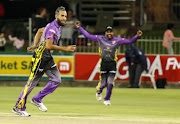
column 139, row 33
column 71, row 48
column 77, row 23
column 30, row 49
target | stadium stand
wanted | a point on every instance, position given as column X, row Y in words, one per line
column 120, row 10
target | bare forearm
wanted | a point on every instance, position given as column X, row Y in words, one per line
column 175, row 38
column 54, row 47
column 38, row 36
column 51, row 46
column 36, row 40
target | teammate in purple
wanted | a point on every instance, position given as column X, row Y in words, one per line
column 108, row 47
column 42, row 62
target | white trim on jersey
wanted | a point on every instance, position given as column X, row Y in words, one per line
column 52, row 30
column 102, row 72
column 53, row 65
column 112, row 71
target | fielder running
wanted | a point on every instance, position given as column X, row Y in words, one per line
column 108, row 48
column 42, row 62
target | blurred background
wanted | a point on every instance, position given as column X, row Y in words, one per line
column 20, row 19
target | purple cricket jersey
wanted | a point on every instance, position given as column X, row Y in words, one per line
column 52, row 31
column 108, row 48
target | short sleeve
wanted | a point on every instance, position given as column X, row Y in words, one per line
column 50, row 33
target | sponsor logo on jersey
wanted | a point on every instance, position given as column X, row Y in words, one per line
column 113, row 41
column 140, row 53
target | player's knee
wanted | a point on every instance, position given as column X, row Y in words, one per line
column 111, row 83
column 103, row 84
column 57, row 80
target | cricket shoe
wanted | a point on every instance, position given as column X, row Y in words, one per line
column 107, row 102
column 98, row 87
column 98, row 97
column 40, row 106
column 20, row 113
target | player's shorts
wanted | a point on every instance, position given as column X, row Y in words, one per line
column 46, row 63
column 108, row 66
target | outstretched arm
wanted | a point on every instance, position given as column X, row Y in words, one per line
column 172, row 36
column 132, row 40
column 11, row 38
column 85, row 33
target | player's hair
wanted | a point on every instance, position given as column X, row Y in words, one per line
column 60, row 8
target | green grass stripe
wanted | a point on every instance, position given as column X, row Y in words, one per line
column 145, row 105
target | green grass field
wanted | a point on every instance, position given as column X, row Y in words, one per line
column 72, row 105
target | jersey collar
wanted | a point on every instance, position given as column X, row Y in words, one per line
column 56, row 24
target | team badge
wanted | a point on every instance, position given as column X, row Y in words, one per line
column 140, row 53
column 113, row 41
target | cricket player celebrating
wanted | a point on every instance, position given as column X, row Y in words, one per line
column 108, row 47
column 42, row 62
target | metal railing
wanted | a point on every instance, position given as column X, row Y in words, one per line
column 148, row 45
